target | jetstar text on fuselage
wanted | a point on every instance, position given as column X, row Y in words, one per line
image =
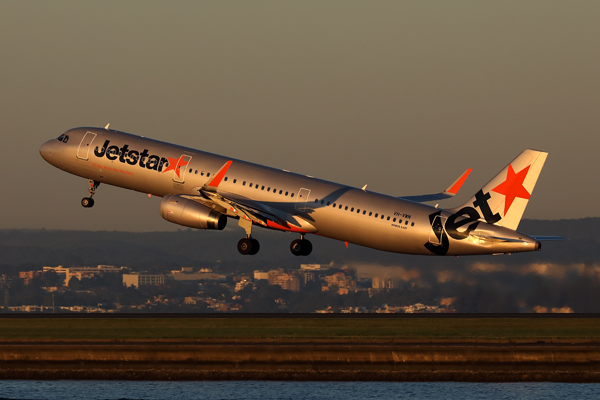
column 131, row 157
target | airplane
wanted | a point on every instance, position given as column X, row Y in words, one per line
column 203, row 190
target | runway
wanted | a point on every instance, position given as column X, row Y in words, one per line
column 482, row 362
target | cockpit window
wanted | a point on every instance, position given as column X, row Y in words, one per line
column 63, row 138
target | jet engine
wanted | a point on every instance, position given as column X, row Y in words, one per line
column 186, row 212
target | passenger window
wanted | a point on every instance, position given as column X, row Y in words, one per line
column 406, row 222
column 235, row 181
column 323, row 202
column 340, row 207
column 399, row 221
column 388, row 218
column 328, row 204
column 352, row 209
column 292, row 195
column 364, row 212
column 358, row 211
column 202, row 173
column 394, row 220
column 412, row 224
column 190, row 170
column 256, row 186
column 225, row 179
column 207, row 174
column 382, row 216
column 333, row 204
column 370, row 213
column 317, row 200
column 376, row 215
column 196, row 172
column 286, row 193
column 263, row 188
column 281, row 191
column 268, row 189
column 244, row 183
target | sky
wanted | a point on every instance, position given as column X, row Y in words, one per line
column 402, row 96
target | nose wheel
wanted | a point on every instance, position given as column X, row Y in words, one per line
column 88, row 202
column 301, row 247
column 248, row 246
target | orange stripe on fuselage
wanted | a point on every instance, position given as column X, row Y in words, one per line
column 287, row 227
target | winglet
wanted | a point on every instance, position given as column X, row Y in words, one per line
column 446, row 194
column 216, row 181
column 455, row 187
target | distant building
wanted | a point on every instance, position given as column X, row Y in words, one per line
column 241, row 285
column 340, row 280
column 313, row 267
column 287, row 282
column 27, row 276
column 383, row 283
column 83, row 272
column 307, row 276
column 140, row 279
column 273, row 274
column 258, row 275
column 198, row 276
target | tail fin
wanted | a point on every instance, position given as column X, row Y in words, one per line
column 503, row 200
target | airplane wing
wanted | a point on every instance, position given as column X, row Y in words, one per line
column 451, row 191
column 249, row 212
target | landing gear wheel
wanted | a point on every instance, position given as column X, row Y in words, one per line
column 301, row 247
column 87, row 202
column 248, row 246
column 255, row 247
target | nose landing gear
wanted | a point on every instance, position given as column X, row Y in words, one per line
column 88, row 202
column 301, row 247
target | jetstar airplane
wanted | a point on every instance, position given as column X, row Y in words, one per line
column 202, row 190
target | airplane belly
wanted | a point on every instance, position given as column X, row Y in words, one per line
column 370, row 232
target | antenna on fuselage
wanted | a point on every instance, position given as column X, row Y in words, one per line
column 106, row 127
column 364, row 188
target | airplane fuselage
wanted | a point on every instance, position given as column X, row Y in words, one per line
column 320, row 207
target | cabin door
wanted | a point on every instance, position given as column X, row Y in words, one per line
column 437, row 230
column 84, row 147
column 302, row 199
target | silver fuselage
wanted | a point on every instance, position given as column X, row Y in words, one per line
column 360, row 217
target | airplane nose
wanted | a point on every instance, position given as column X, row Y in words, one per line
column 46, row 150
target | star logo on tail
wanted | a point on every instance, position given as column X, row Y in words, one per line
column 513, row 187
column 175, row 164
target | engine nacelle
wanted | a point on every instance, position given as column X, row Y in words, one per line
column 186, row 212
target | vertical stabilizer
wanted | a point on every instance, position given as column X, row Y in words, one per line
column 503, row 200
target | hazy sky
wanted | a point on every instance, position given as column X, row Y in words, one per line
column 403, row 96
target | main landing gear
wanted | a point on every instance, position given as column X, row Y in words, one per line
column 248, row 246
column 88, row 202
column 301, row 247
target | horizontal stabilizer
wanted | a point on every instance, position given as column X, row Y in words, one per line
column 446, row 194
column 547, row 238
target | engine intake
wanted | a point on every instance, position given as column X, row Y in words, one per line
column 186, row 212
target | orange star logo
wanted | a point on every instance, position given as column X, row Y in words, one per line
column 512, row 187
column 175, row 164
